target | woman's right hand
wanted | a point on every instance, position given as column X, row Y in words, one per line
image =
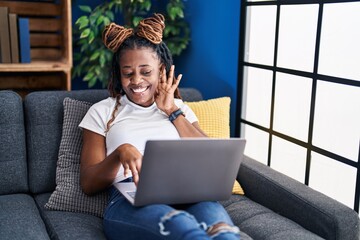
column 131, row 159
column 98, row 171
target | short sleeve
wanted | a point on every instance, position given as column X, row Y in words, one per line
column 97, row 117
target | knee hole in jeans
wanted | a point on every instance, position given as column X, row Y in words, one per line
column 220, row 228
column 168, row 217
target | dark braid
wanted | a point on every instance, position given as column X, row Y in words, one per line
column 113, row 113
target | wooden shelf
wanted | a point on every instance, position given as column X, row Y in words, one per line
column 51, row 47
column 35, row 66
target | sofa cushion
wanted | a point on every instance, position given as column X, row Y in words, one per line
column 70, row 225
column 68, row 195
column 20, row 218
column 13, row 169
column 261, row 223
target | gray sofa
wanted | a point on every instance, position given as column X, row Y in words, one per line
column 274, row 206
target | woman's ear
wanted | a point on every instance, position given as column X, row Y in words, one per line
column 161, row 68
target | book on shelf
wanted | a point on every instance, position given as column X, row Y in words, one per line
column 24, row 40
column 14, row 39
column 4, row 36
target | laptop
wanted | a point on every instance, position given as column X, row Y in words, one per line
column 186, row 170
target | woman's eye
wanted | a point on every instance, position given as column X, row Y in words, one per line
column 147, row 72
column 127, row 74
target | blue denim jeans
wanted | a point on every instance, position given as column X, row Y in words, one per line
column 160, row 221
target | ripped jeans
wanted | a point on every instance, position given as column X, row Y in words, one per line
column 160, row 221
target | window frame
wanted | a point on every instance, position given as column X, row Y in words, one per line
column 314, row 76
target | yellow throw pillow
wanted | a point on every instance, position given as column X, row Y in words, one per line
column 214, row 120
column 214, row 116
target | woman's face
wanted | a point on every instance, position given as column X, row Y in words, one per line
column 140, row 71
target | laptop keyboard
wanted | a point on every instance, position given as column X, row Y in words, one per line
column 132, row 194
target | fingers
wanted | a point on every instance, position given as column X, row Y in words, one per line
column 177, row 81
column 168, row 82
column 130, row 159
column 126, row 169
column 163, row 79
column 135, row 170
column 135, row 174
column 171, row 75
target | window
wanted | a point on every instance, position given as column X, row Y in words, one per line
column 299, row 91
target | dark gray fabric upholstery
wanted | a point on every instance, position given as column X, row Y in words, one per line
column 44, row 133
column 318, row 213
column 20, row 218
column 70, row 225
column 256, row 220
column 13, row 169
column 190, row 94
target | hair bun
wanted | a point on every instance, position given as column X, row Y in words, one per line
column 152, row 28
column 114, row 35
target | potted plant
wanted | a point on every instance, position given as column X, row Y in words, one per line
column 92, row 60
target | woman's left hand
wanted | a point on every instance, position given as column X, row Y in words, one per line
column 165, row 92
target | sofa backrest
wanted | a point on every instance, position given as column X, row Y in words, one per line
column 44, row 118
column 13, row 168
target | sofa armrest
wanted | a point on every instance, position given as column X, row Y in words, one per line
column 313, row 210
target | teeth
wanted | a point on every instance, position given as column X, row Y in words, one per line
column 139, row 90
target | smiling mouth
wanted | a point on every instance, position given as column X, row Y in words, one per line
column 140, row 89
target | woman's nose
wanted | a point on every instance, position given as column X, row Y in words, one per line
column 136, row 79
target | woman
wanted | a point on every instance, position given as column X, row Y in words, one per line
column 144, row 104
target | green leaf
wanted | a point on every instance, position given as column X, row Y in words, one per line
column 136, row 20
column 180, row 13
column 102, row 60
column 85, row 33
column 81, row 20
column 100, row 20
column 82, row 26
column 85, row 8
column 110, row 15
column 147, row 5
column 84, row 61
column 84, row 23
column 93, row 18
column 91, row 37
column 97, row 70
column 84, row 48
column 106, row 21
column 92, row 82
column 95, row 55
column 88, row 76
column 172, row 11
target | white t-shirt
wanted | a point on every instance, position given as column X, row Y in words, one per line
column 133, row 124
